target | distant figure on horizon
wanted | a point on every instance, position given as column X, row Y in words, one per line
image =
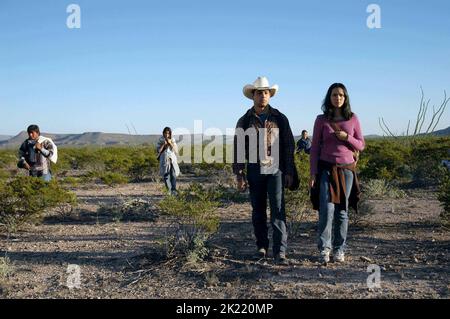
column 36, row 153
column 168, row 164
column 334, row 183
column 304, row 143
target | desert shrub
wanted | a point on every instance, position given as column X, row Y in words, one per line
column 297, row 203
column 384, row 159
column 4, row 174
column 129, row 210
column 426, row 157
column 408, row 159
column 133, row 162
column 112, row 178
column 25, row 199
column 379, row 188
column 71, row 181
column 8, row 159
column 444, row 196
column 194, row 213
column 6, row 267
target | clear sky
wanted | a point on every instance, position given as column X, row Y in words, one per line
column 157, row 63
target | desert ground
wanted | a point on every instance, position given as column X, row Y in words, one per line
column 121, row 257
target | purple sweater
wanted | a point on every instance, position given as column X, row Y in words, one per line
column 327, row 147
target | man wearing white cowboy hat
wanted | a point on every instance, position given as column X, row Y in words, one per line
column 270, row 125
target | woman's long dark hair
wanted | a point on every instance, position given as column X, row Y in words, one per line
column 328, row 108
column 167, row 129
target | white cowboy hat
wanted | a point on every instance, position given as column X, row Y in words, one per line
column 261, row 83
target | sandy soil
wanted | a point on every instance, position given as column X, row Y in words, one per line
column 121, row 259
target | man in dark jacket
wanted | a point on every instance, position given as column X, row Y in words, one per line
column 264, row 160
column 304, row 143
column 36, row 153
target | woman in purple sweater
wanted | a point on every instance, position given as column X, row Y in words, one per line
column 337, row 135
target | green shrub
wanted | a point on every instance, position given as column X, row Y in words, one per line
column 297, row 203
column 112, row 178
column 379, row 188
column 444, row 197
column 408, row 159
column 129, row 210
column 194, row 211
column 25, row 199
column 6, row 267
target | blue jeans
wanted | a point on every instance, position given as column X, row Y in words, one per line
column 170, row 180
column 46, row 177
column 261, row 186
column 330, row 214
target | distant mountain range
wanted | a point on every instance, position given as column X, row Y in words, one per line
column 109, row 139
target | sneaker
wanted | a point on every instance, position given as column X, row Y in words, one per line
column 262, row 253
column 281, row 259
column 339, row 257
column 325, row 256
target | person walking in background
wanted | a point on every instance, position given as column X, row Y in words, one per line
column 337, row 135
column 167, row 156
column 304, row 143
column 37, row 153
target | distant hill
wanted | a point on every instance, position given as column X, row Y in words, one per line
column 85, row 139
column 444, row 132
column 110, row 139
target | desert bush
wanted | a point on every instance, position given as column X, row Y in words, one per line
column 384, row 159
column 8, row 159
column 297, row 203
column 25, row 199
column 426, row 158
column 194, row 213
column 129, row 210
column 133, row 162
column 444, row 196
column 6, row 267
column 407, row 159
column 379, row 188
column 71, row 181
column 112, row 178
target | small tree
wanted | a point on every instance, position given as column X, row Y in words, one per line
column 25, row 199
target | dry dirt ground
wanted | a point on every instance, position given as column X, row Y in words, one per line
column 121, row 259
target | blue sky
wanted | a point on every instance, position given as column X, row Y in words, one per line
column 157, row 63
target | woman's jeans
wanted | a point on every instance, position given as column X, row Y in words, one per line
column 170, row 180
column 262, row 186
column 333, row 215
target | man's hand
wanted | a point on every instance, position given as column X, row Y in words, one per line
column 38, row 146
column 312, row 181
column 26, row 166
column 341, row 135
column 288, row 180
column 241, row 184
